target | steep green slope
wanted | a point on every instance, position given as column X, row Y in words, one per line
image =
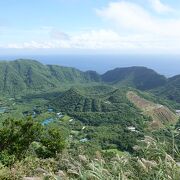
column 171, row 90
column 84, row 99
column 74, row 100
column 138, row 77
column 22, row 76
column 114, row 106
column 106, row 118
column 72, row 75
column 109, row 107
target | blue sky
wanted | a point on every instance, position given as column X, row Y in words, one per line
column 85, row 26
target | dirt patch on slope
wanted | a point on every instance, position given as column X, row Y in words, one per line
column 160, row 114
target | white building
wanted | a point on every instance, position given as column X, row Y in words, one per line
column 131, row 128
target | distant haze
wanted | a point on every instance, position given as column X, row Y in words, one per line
column 167, row 65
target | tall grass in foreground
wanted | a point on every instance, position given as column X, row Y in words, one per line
column 152, row 163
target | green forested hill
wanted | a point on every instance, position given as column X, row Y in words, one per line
column 78, row 100
column 171, row 90
column 27, row 75
column 71, row 75
column 108, row 116
column 114, row 103
column 72, row 100
column 138, row 77
column 112, row 106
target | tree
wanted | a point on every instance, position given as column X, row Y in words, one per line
column 16, row 136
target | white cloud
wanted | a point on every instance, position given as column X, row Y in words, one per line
column 138, row 30
column 100, row 39
column 106, row 40
column 127, row 15
column 159, row 33
column 159, row 7
column 131, row 16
